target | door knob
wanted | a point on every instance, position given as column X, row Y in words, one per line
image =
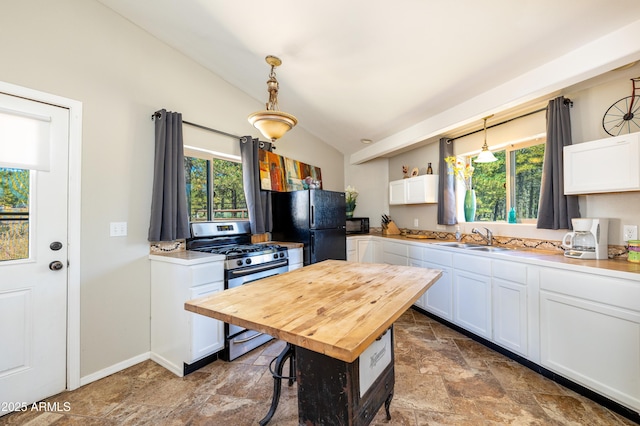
column 56, row 265
column 55, row 246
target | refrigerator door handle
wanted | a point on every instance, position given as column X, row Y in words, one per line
column 313, row 216
column 313, row 245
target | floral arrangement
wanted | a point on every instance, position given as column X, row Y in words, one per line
column 351, row 194
column 460, row 170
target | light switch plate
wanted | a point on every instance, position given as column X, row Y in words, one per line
column 630, row 232
column 118, row 229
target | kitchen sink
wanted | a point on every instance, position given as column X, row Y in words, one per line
column 460, row 245
column 488, row 248
column 472, row 246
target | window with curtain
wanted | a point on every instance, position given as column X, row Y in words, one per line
column 214, row 187
column 512, row 181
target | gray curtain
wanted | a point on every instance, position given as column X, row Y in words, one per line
column 169, row 215
column 258, row 202
column 446, row 186
column 556, row 210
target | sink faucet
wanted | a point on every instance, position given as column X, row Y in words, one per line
column 488, row 238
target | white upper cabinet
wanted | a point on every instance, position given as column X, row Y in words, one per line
column 416, row 190
column 605, row 165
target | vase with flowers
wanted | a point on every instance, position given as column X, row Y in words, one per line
column 351, row 194
column 464, row 172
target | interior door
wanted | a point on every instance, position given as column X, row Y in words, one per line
column 33, row 250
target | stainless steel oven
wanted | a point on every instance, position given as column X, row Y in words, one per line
column 244, row 263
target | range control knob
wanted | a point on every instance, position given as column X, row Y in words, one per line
column 275, row 255
column 239, row 262
column 248, row 262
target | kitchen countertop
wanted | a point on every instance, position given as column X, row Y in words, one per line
column 533, row 256
column 187, row 257
column 334, row 307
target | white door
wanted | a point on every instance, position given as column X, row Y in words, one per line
column 33, row 237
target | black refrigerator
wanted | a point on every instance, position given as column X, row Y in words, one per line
column 313, row 217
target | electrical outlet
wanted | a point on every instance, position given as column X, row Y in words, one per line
column 415, row 222
column 630, row 232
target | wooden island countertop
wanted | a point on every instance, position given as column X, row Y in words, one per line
column 335, row 308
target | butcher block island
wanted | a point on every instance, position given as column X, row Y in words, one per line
column 338, row 317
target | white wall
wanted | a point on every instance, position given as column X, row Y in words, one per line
column 81, row 50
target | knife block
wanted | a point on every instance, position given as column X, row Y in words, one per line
column 391, row 229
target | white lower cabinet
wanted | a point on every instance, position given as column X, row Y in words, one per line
column 439, row 298
column 369, row 251
column 590, row 332
column 472, row 302
column 180, row 338
column 510, row 313
column 295, row 258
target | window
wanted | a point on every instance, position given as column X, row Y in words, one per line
column 512, row 181
column 214, row 188
column 14, row 213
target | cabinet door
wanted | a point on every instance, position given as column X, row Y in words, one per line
column 606, row 165
column 594, row 344
column 418, row 264
column 397, row 193
column 365, row 251
column 510, row 315
column 472, row 302
column 422, row 189
column 207, row 334
column 438, row 299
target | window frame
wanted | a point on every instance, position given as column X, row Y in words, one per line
column 209, row 156
column 509, row 148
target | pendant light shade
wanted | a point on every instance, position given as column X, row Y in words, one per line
column 485, row 155
column 272, row 122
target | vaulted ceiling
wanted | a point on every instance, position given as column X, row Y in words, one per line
column 370, row 69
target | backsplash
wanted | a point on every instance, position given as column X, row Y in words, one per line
column 615, row 252
column 167, row 246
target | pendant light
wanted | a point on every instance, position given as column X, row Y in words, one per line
column 485, row 155
column 272, row 122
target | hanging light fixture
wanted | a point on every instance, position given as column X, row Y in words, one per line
column 485, row 155
column 272, row 122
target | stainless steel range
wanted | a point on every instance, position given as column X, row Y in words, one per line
column 245, row 262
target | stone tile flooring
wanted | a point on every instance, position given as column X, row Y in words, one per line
column 442, row 378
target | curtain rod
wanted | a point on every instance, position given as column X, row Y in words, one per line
column 199, row 126
column 566, row 102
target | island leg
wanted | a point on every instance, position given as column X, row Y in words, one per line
column 287, row 353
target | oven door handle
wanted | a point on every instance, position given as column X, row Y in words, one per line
column 260, row 268
column 253, row 336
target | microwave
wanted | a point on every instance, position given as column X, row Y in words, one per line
column 357, row 225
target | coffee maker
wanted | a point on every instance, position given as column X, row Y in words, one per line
column 588, row 239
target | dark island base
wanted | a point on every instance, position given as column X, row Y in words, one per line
column 329, row 394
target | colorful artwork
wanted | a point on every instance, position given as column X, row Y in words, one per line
column 282, row 174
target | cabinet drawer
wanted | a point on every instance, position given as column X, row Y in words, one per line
column 394, row 248
column 597, row 288
column 206, row 273
column 441, row 257
column 510, row 271
column 477, row 264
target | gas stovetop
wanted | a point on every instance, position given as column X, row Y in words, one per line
column 233, row 240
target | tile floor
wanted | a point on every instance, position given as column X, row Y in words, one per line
column 442, row 378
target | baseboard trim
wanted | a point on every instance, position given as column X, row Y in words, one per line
column 101, row 374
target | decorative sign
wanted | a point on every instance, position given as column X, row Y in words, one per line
column 282, row 174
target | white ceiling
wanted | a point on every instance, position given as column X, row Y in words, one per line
column 370, row 69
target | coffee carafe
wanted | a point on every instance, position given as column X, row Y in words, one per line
column 588, row 239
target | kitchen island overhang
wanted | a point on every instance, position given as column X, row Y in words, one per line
column 334, row 308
